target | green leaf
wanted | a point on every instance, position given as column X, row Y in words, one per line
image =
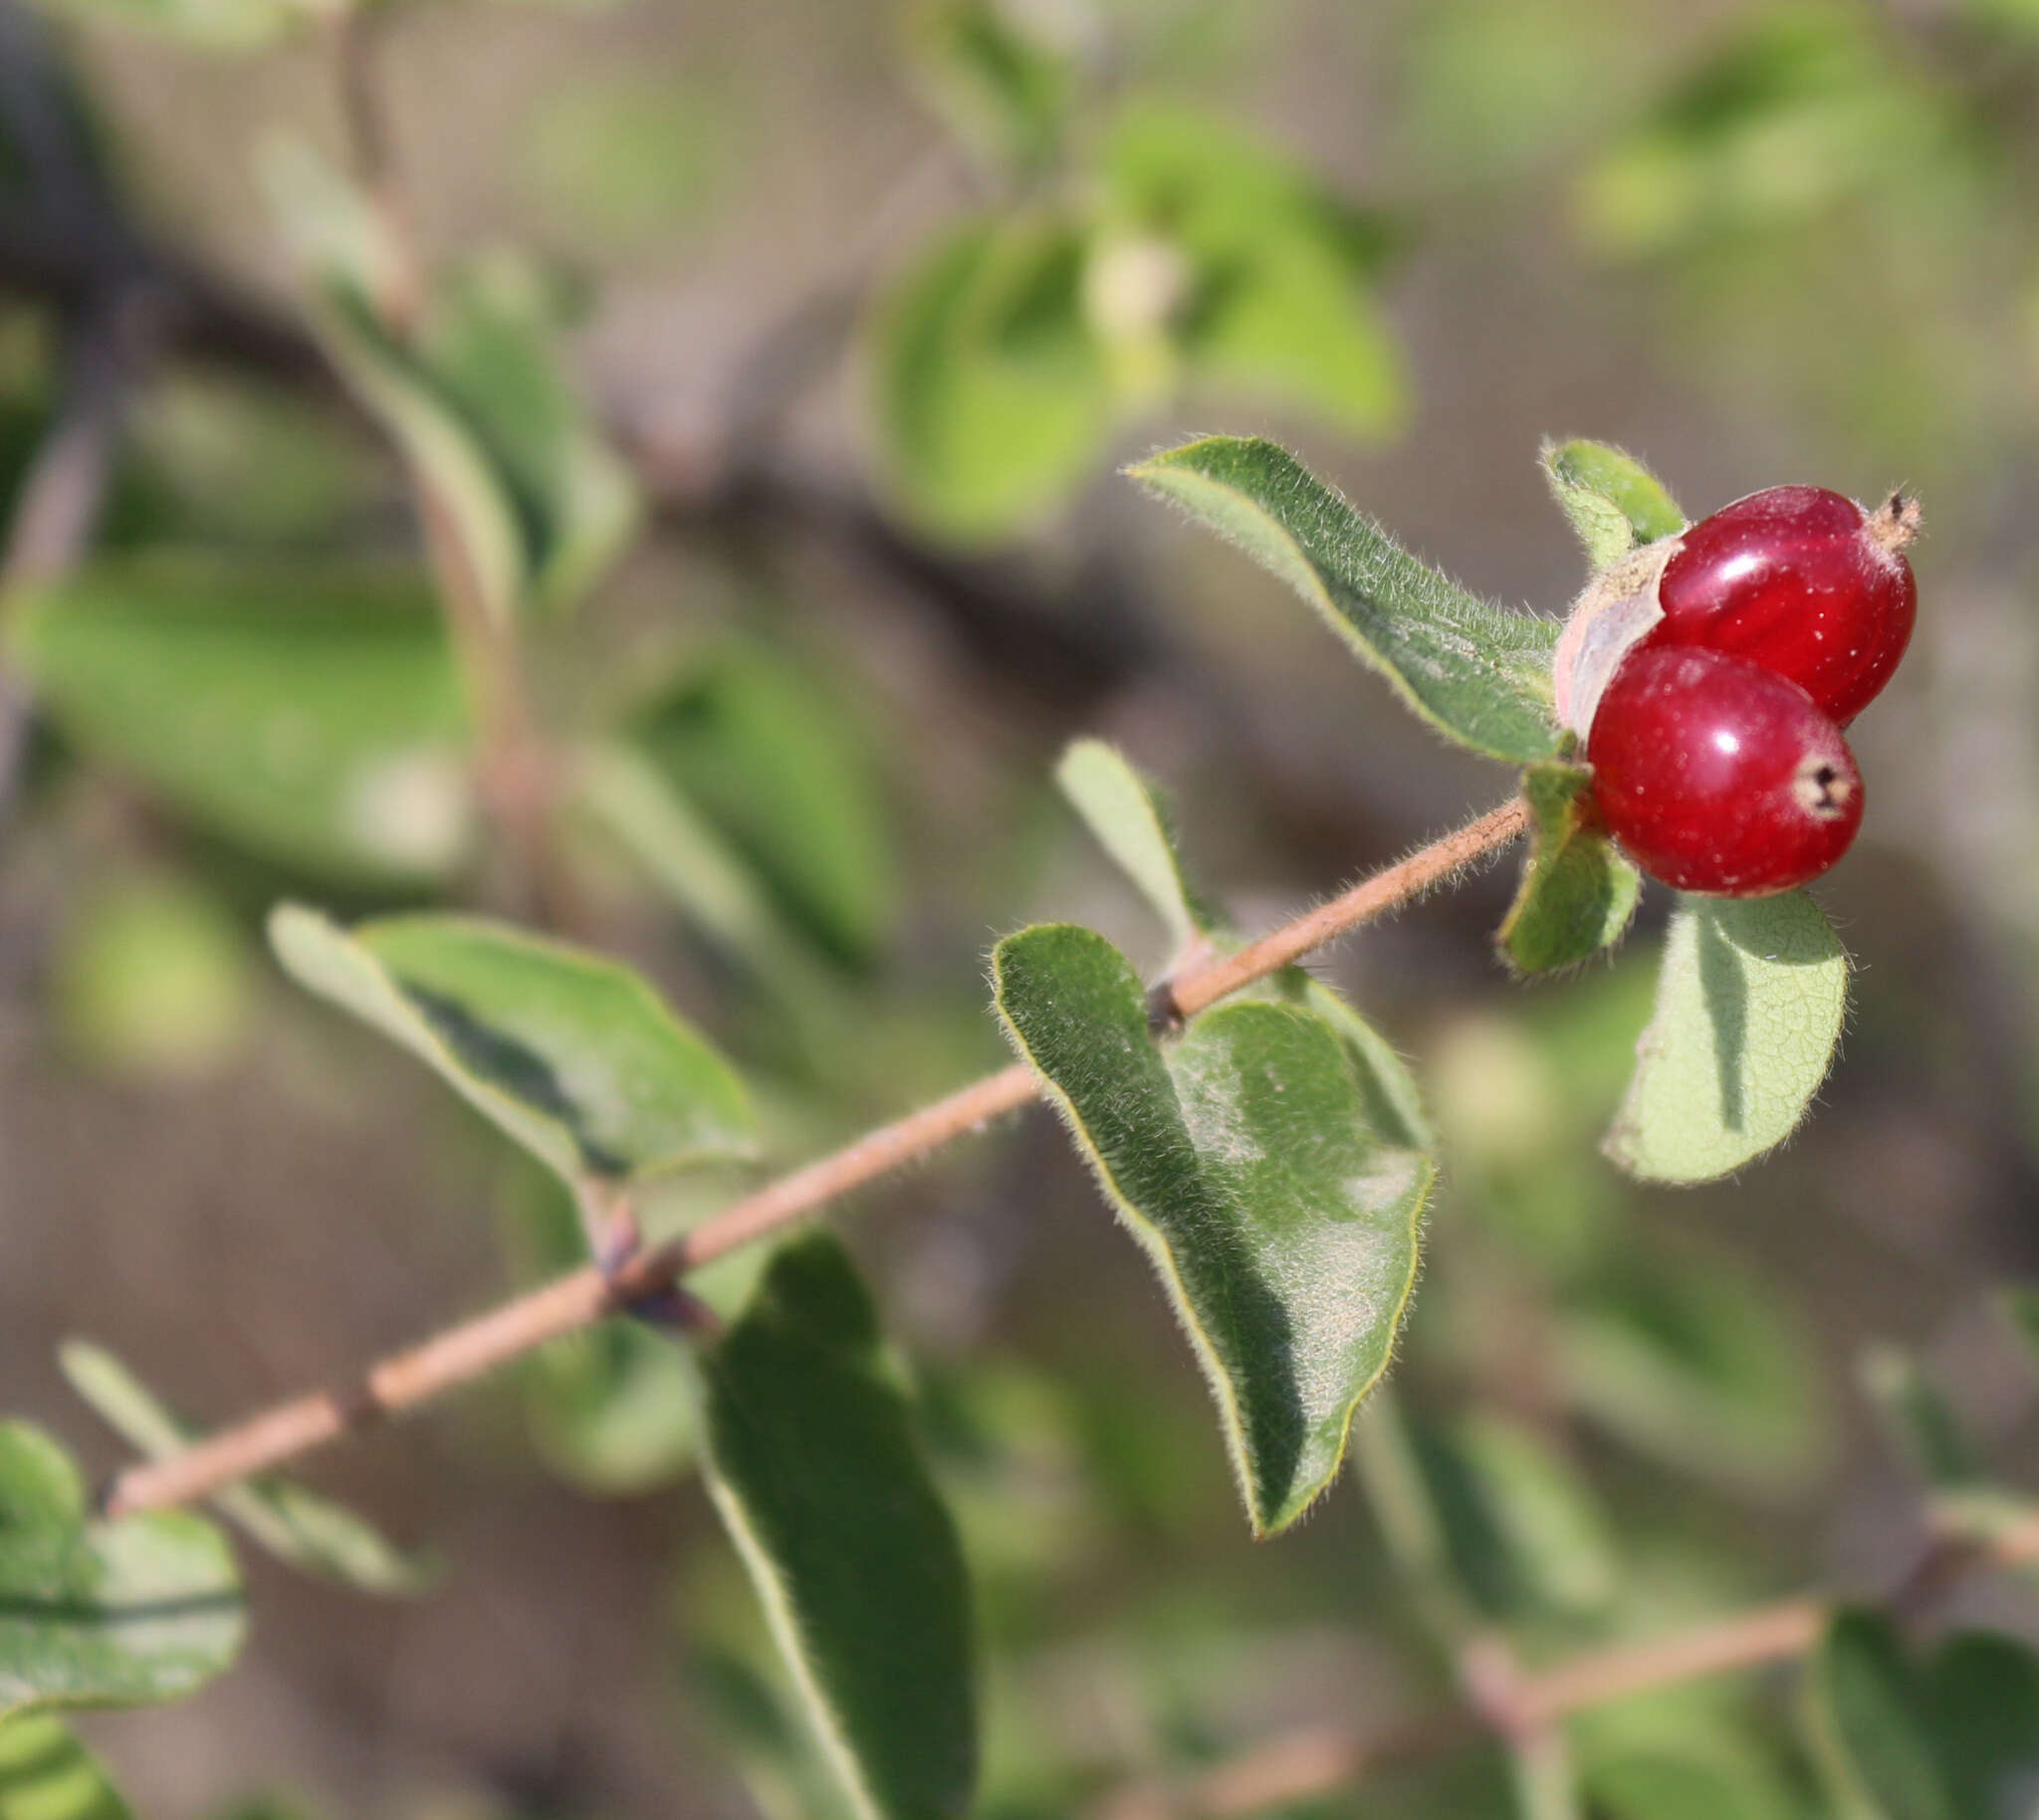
column 1482, row 1512
column 767, row 758
column 1612, row 500
column 1953, row 1738
column 47, row 1774
column 1480, row 675
column 314, row 1534
column 1121, row 809
column 1280, row 284
column 993, row 397
column 818, row 1475
column 1919, row 1418
column 104, row 1613
column 488, row 344
column 1003, row 88
column 444, row 453
column 228, row 26
column 573, row 1056
column 1577, row 892
column 151, row 977
column 1750, row 1006
column 1695, row 1361
column 2021, row 1310
column 1242, row 1159
column 312, row 715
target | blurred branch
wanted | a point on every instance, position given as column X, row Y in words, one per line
column 112, row 333
column 1322, row 1761
column 586, row 1296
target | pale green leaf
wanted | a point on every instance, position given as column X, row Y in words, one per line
column 1952, row 1738
column 445, row 456
column 766, row 756
column 99, row 1614
column 47, row 1774
column 1612, row 500
column 1750, row 1006
column 312, row 715
column 1004, row 87
column 315, row 1534
column 818, row 1474
column 226, row 26
column 1274, row 294
column 1693, row 1360
column 1242, row 1157
column 573, row 1056
column 488, row 344
column 1577, row 892
column 1483, row 1513
column 1120, row 809
column 991, row 395
column 1480, row 675
column 1919, row 1418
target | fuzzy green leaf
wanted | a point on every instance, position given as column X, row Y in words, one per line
column 1480, row 675
column 1953, row 1738
column 313, row 717
column 47, row 1774
column 1750, row 1006
column 315, row 1534
column 1612, row 500
column 573, row 1056
column 1121, row 809
column 1242, row 1157
column 1919, row 1417
column 1577, row 892
column 993, row 396
column 817, row 1473
column 104, row 1613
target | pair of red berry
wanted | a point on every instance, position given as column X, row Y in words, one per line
column 1717, row 748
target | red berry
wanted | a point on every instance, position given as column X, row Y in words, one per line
column 1718, row 776
column 1802, row 582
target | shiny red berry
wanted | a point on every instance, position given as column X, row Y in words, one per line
column 1716, row 774
column 1802, row 582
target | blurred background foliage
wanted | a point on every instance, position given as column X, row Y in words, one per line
column 805, row 339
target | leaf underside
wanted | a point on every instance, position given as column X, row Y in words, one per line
column 1244, row 1157
column 817, row 1473
column 1478, row 674
column 1750, row 1002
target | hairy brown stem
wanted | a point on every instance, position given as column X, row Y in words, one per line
column 479, row 1347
